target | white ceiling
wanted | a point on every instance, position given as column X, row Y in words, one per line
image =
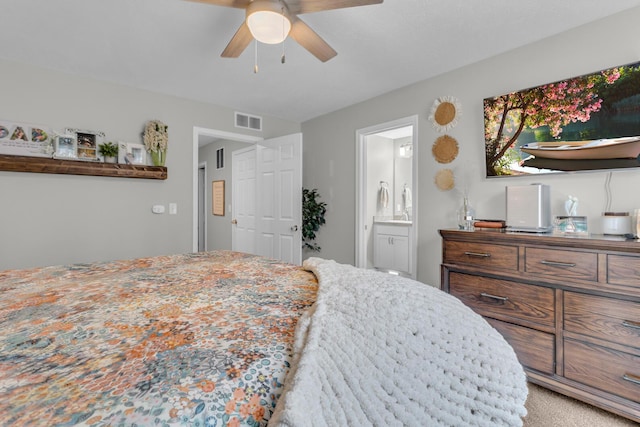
column 174, row 46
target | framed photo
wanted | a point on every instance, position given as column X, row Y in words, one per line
column 217, row 197
column 65, row 147
column 87, row 142
column 131, row 153
column 25, row 139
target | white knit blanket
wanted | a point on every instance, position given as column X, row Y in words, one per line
column 377, row 349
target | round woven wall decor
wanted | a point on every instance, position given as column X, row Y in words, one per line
column 445, row 149
column 445, row 113
column 445, row 180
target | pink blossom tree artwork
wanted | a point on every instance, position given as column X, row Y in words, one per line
column 553, row 106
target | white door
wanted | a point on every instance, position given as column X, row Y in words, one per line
column 243, row 200
column 279, row 225
column 267, row 199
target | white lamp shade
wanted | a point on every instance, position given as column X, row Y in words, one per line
column 268, row 27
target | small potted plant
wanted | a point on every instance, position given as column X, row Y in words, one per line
column 109, row 151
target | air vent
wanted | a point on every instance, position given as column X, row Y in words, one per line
column 247, row 121
column 220, row 158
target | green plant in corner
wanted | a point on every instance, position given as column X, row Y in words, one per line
column 312, row 218
column 108, row 149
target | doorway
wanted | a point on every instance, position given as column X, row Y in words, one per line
column 386, row 191
column 277, row 203
column 204, row 136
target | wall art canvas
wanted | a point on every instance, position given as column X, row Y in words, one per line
column 25, row 139
column 589, row 122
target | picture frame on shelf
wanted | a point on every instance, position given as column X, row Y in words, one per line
column 65, row 147
column 87, row 142
column 25, row 139
column 131, row 153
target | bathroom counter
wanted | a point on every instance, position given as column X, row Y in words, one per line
column 393, row 221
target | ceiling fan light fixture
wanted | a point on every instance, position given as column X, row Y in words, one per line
column 268, row 22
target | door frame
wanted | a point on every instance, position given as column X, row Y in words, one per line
column 361, row 180
column 202, row 210
column 198, row 133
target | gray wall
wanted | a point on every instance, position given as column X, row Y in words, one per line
column 330, row 139
column 52, row 219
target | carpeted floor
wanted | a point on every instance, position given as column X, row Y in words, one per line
column 549, row 409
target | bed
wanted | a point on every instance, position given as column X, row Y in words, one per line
column 224, row 338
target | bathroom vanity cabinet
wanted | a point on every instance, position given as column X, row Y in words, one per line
column 392, row 246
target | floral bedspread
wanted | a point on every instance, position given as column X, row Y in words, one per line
column 199, row 339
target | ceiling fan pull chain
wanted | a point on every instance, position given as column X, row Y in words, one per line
column 284, row 36
column 255, row 66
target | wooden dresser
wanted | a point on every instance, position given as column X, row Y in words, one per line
column 569, row 306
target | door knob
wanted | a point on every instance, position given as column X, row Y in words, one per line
column 294, row 228
column 234, row 221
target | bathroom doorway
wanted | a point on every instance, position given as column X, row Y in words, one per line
column 387, row 208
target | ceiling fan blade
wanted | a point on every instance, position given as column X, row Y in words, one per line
column 238, row 43
column 308, row 6
column 310, row 40
column 240, row 4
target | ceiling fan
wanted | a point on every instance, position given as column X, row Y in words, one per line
column 271, row 21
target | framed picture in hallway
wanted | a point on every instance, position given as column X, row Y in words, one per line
column 217, row 197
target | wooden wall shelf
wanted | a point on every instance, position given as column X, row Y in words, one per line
column 78, row 167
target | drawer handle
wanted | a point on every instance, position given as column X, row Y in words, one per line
column 631, row 378
column 494, row 297
column 630, row 324
column 477, row 254
column 558, row 264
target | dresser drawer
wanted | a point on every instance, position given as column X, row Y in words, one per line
column 601, row 317
column 623, row 270
column 504, row 299
column 562, row 263
column 480, row 254
column 535, row 349
column 603, row 368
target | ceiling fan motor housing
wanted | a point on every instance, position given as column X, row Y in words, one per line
column 268, row 20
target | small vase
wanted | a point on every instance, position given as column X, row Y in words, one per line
column 466, row 215
column 158, row 157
